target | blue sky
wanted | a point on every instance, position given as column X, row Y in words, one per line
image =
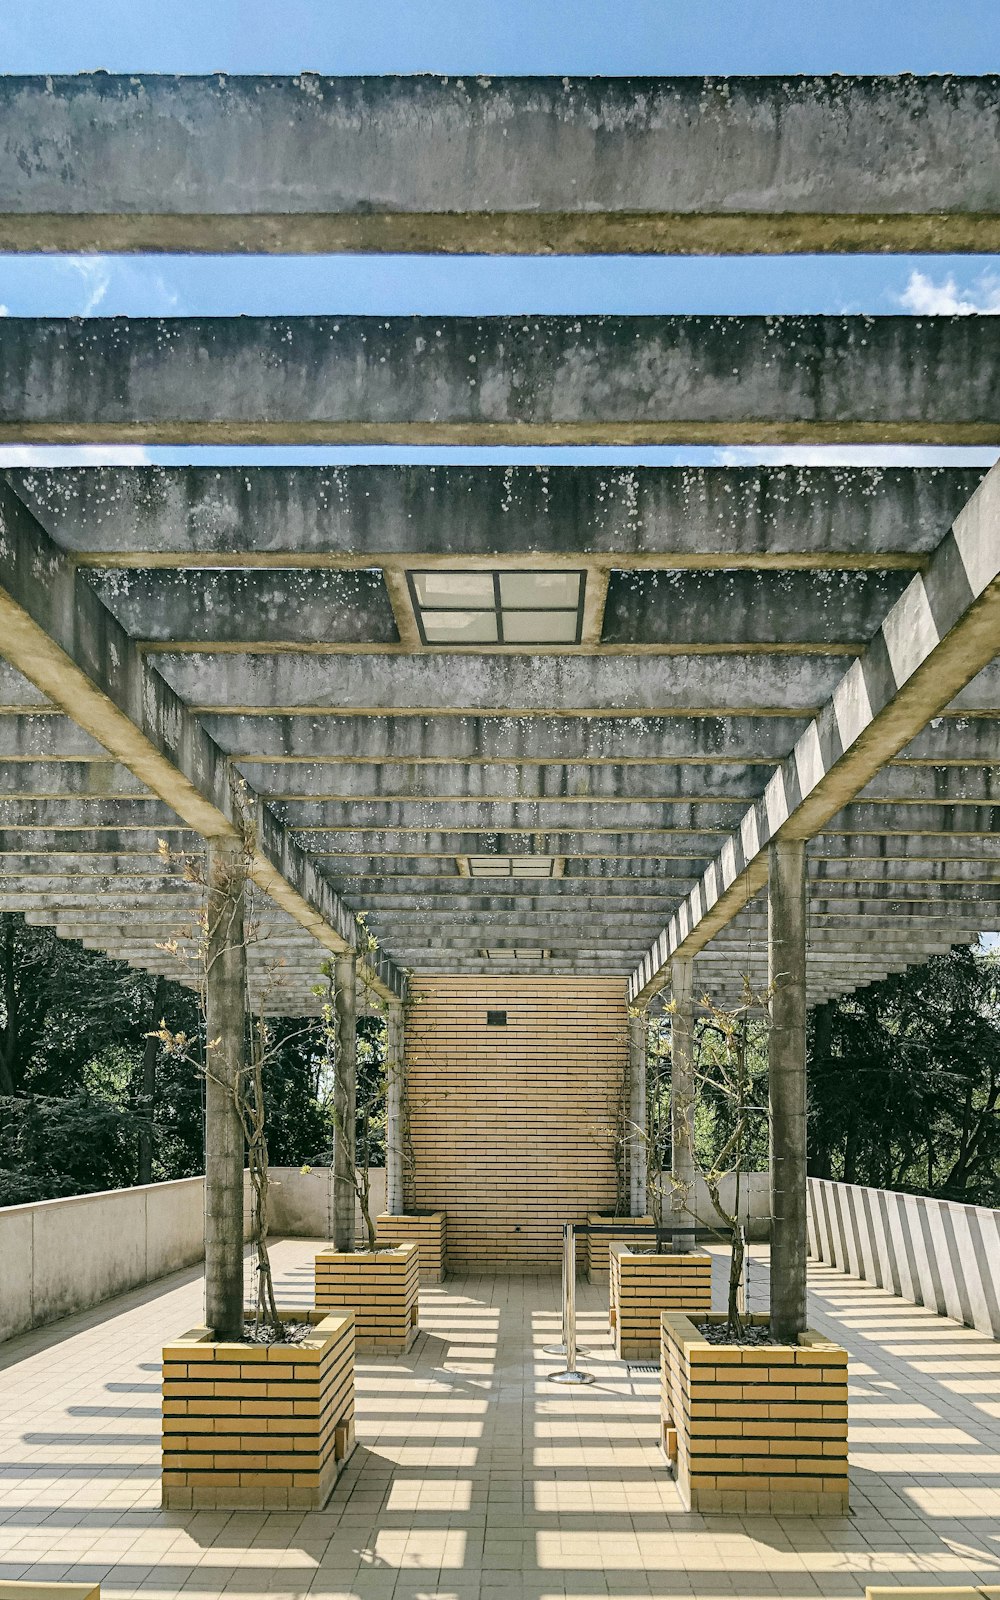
column 528, row 36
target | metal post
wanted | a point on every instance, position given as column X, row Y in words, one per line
column 570, row 1374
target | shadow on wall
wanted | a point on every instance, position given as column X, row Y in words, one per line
column 754, row 1211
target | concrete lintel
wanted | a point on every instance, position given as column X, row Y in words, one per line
column 491, row 165
column 503, row 380
column 58, row 632
column 940, row 634
column 399, row 517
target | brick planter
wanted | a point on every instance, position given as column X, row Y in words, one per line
column 258, row 1427
column 427, row 1230
column 755, row 1428
column 598, row 1260
column 643, row 1285
column 381, row 1287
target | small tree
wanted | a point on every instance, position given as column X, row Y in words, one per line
column 727, row 1073
column 194, row 948
column 361, row 1139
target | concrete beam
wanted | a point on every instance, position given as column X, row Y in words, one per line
column 519, row 741
column 504, row 380
column 400, row 516
column 938, row 636
column 701, row 686
column 489, row 165
column 56, row 629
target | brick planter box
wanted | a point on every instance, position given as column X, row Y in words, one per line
column 258, row 1427
column 759, row 1428
column 598, row 1260
column 427, row 1230
column 643, row 1285
column 381, row 1287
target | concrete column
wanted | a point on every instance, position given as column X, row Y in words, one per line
column 394, row 1128
column 682, row 1085
column 345, row 1100
column 225, row 1031
column 786, row 948
column 637, row 1132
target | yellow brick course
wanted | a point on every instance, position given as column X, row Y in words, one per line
column 382, row 1288
column 754, row 1428
column 595, row 1259
column 262, row 1426
column 427, row 1230
column 643, row 1285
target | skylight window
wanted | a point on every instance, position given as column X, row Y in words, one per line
column 482, row 608
column 511, row 866
column 521, row 954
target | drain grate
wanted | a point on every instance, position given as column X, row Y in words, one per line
column 642, row 1369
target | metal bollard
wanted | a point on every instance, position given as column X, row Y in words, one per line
column 570, row 1374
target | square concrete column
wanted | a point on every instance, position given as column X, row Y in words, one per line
column 345, row 1088
column 225, row 1033
column 395, row 1100
column 786, row 1051
column 638, row 1143
column 682, row 1084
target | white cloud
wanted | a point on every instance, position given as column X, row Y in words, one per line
column 85, row 455
column 95, row 271
column 837, row 455
column 925, row 298
column 4, row 311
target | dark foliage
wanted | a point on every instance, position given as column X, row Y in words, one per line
column 904, row 1082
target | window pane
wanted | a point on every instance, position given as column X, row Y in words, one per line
column 539, row 627
column 540, row 589
column 454, row 588
column 460, row 627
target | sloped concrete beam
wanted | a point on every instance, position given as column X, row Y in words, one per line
column 938, row 636
column 56, row 629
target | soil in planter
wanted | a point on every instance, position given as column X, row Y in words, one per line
column 292, row 1333
column 753, row 1334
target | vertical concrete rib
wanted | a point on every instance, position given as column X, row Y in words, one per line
column 787, row 1084
column 225, row 1031
column 345, row 1101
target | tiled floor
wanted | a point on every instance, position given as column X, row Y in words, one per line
column 476, row 1477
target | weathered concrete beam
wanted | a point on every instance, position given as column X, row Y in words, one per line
column 517, row 816
column 58, row 632
column 403, row 782
column 398, row 517
column 938, row 636
column 428, row 684
column 493, row 165
column 472, row 739
column 504, row 380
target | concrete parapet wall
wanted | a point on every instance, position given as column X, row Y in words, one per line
column 755, row 1203
column 933, row 1252
column 61, row 1256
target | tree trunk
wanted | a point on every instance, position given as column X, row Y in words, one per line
column 345, row 1101
column 787, row 1085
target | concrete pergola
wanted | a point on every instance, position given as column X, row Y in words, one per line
column 678, row 688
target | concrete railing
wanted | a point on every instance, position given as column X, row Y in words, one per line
column 61, row 1256
column 933, row 1252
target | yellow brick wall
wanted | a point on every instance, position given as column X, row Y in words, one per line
column 512, row 1127
column 383, row 1291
